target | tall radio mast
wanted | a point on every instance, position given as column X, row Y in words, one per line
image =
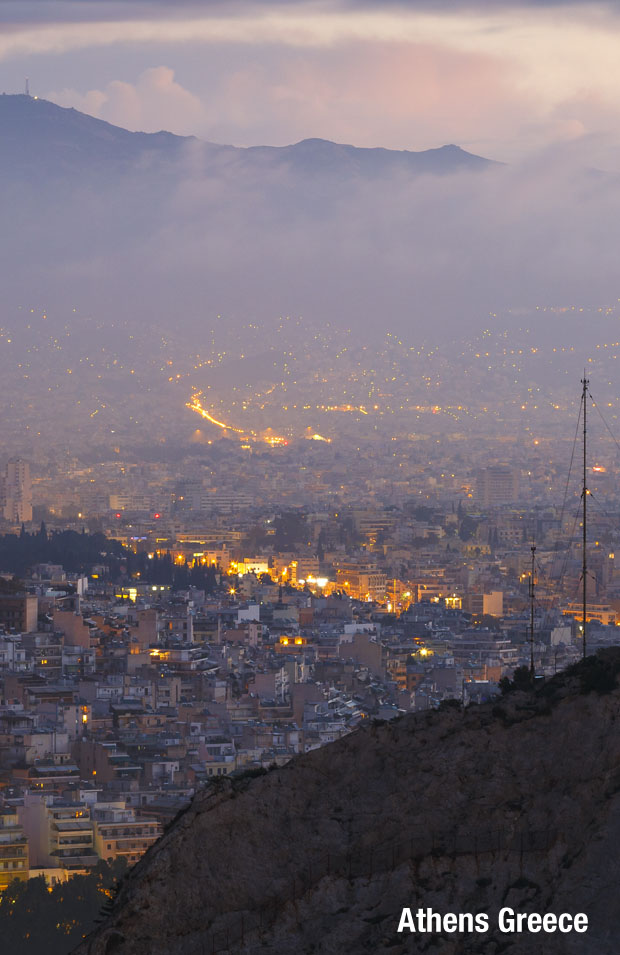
column 584, row 495
column 532, row 584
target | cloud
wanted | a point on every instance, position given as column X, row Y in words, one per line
column 422, row 256
column 156, row 101
column 61, row 27
column 492, row 77
column 397, row 94
column 402, row 95
column 393, row 94
column 33, row 11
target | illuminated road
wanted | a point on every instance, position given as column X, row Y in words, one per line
column 267, row 436
column 195, row 405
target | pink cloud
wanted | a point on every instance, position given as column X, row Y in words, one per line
column 156, row 101
column 397, row 94
column 394, row 94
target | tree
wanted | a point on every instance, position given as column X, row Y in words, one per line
column 38, row 920
column 468, row 528
column 290, row 529
column 522, row 679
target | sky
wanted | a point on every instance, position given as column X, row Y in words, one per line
column 531, row 84
column 504, row 80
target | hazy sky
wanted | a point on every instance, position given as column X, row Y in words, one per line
column 502, row 79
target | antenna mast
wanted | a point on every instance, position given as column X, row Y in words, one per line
column 584, row 495
column 27, row 87
column 532, row 613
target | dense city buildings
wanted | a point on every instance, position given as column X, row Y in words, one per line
column 228, row 561
column 199, row 637
column 292, row 446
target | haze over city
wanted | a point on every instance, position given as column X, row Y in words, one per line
column 304, row 308
column 531, row 86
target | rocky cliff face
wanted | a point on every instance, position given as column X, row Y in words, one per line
column 516, row 804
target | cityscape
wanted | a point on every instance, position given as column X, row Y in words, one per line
column 265, row 591
column 309, row 478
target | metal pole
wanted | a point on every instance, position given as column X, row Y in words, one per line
column 532, row 613
column 584, row 567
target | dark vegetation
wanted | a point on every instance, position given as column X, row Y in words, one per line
column 163, row 570
column 522, row 679
column 598, row 673
column 291, row 529
column 76, row 552
column 37, row 920
column 80, row 552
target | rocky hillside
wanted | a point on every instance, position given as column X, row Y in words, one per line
column 516, row 804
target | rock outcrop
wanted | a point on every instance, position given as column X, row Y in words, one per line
column 514, row 804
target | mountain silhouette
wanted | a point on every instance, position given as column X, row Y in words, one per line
column 38, row 136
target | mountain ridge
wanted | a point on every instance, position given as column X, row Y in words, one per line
column 71, row 134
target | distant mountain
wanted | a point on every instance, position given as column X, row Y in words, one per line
column 35, row 135
column 33, row 128
column 158, row 230
column 320, row 155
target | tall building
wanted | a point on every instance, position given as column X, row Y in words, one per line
column 60, row 833
column 17, row 492
column 14, row 863
column 361, row 581
column 19, row 612
column 497, row 485
column 120, row 834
